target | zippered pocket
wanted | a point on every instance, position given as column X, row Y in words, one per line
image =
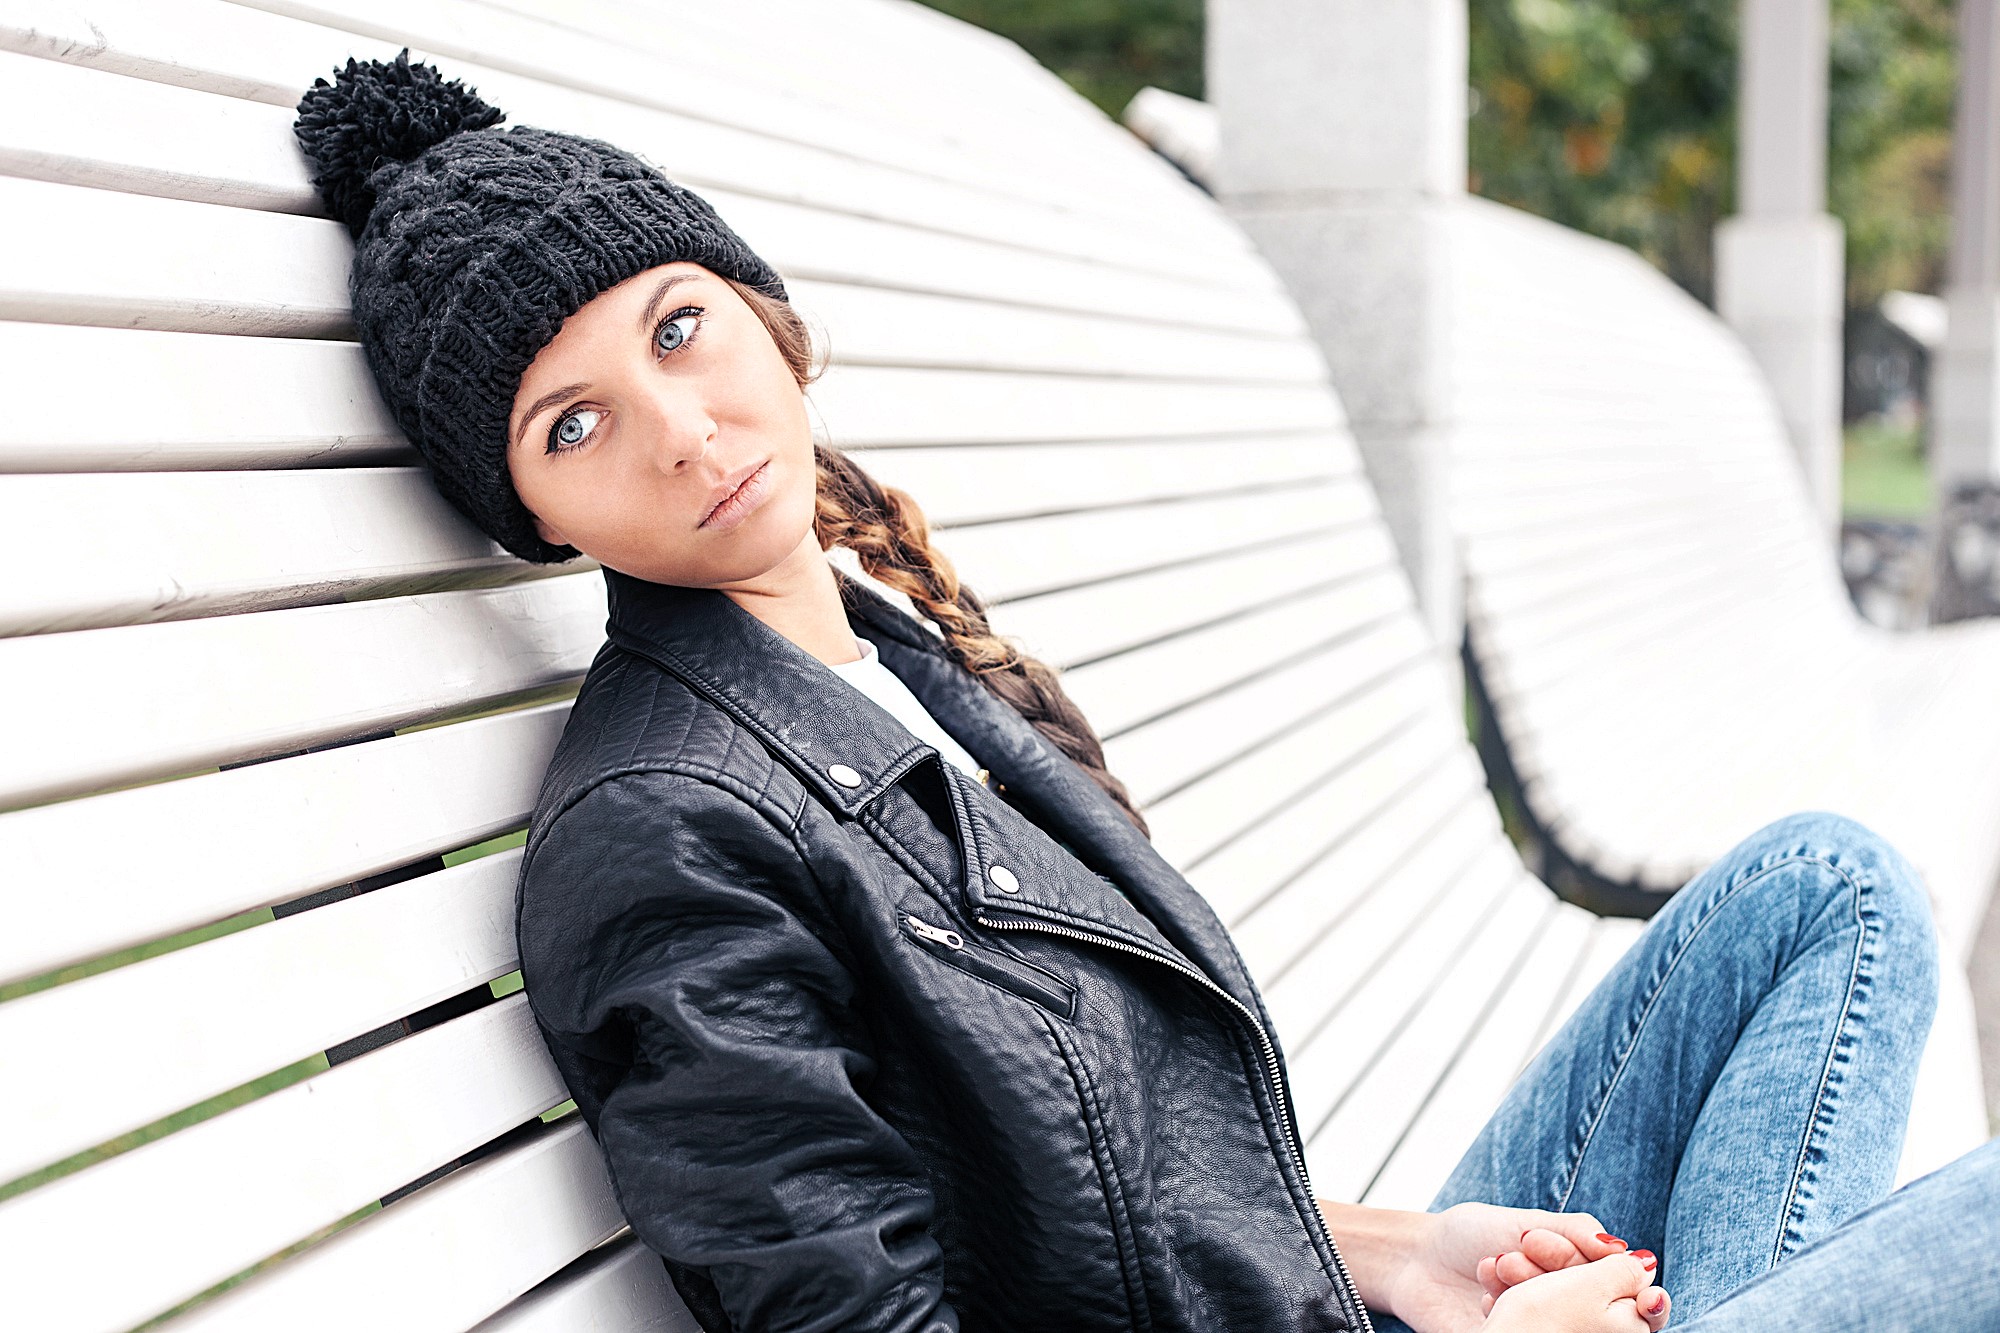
column 990, row 965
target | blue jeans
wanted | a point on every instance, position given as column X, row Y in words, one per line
column 1733, row 1095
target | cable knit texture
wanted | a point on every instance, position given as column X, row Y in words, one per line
column 472, row 245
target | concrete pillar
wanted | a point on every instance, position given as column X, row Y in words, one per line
column 1342, row 149
column 1965, row 416
column 1779, row 268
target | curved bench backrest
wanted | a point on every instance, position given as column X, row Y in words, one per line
column 265, row 687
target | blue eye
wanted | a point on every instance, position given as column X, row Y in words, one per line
column 677, row 330
column 573, row 428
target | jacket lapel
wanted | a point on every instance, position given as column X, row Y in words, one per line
column 805, row 715
column 1062, row 799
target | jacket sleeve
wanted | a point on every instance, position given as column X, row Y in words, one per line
column 665, row 949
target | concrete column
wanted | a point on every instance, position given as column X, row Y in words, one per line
column 1342, row 149
column 1965, row 414
column 1779, row 266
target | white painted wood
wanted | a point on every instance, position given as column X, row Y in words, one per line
column 1329, row 1045
column 1371, row 1117
column 1073, row 626
column 281, row 992
column 455, row 1251
column 618, row 1287
column 1041, row 555
column 237, row 52
column 124, row 548
column 1455, row 1109
column 208, row 1201
column 230, row 688
column 171, row 856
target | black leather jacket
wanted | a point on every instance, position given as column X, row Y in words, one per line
column 869, row 1045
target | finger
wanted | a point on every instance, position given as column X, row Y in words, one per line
column 1654, row 1307
column 1486, row 1304
column 1615, row 1276
column 1552, row 1249
column 1515, row 1267
column 1586, row 1233
column 1487, row 1277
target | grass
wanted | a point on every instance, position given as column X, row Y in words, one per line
column 1883, row 474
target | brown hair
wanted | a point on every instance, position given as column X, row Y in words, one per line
column 886, row 529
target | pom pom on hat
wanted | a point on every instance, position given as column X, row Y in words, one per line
column 376, row 112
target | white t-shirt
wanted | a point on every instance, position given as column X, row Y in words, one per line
column 868, row 675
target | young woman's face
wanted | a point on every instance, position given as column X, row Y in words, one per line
column 654, row 403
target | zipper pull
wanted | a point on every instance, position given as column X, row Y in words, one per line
column 951, row 939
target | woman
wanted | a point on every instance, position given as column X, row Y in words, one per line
column 875, row 1034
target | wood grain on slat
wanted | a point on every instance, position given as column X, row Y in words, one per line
column 175, row 855
column 206, row 1202
column 292, row 988
column 232, row 688
column 462, row 1248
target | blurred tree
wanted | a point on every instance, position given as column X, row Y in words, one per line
column 1105, row 49
column 1616, row 117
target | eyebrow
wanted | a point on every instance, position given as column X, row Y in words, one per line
column 666, row 284
column 569, row 391
column 546, row 401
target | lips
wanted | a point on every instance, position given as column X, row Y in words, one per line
column 729, row 489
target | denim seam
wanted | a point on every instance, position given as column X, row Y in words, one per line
column 1826, row 1097
column 1610, row 1085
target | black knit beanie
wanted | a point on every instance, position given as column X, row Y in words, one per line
column 472, row 245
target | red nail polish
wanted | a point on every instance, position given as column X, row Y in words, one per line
column 1611, row 1240
column 1658, row 1305
column 1646, row 1256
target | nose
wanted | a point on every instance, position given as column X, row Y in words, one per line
column 678, row 425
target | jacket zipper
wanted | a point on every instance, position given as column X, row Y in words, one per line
column 1272, row 1069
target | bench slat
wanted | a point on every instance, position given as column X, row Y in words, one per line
column 1290, row 913
column 203, row 400
column 451, row 1253
column 1198, row 819
column 1119, row 693
column 562, row 55
column 1330, row 1043
column 1254, row 715
column 1493, row 1055
column 1073, row 627
column 1039, row 555
column 232, row 688
column 208, row 1201
column 234, row 51
column 121, row 548
column 1464, row 986
column 619, row 1287
column 292, row 988
column 175, row 855
column 105, row 257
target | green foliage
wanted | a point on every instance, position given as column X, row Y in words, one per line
column 1105, row 49
column 1616, row 117
column 1610, row 116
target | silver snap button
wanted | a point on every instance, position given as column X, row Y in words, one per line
column 1004, row 877
column 844, row 775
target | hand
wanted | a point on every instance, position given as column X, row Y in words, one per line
column 1609, row 1295
column 1544, row 1250
column 1448, row 1278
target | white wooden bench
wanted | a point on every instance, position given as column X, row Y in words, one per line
column 1662, row 643
column 257, row 674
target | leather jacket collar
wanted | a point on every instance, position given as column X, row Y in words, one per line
column 806, row 716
